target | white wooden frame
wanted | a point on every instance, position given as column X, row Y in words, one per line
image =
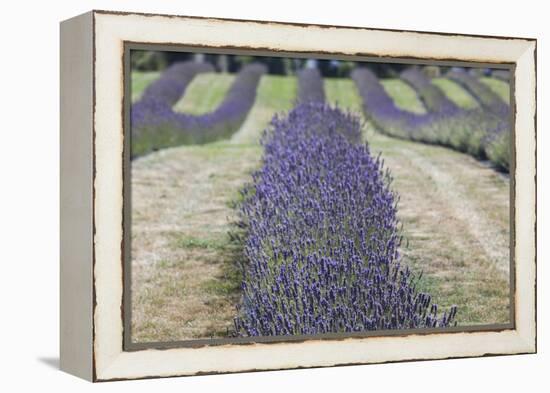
column 92, row 194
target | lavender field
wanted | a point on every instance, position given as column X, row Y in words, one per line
column 271, row 205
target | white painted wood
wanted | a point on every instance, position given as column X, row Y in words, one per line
column 76, row 196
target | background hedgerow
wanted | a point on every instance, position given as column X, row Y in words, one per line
column 479, row 132
column 310, row 85
column 156, row 125
column 321, row 243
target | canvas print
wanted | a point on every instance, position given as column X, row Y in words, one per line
column 289, row 197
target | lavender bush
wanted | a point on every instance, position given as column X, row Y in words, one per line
column 156, row 125
column 321, row 241
column 433, row 98
column 487, row 98
column 498, row 147
column 171, row 85
column 477, row 132
column 310, row 85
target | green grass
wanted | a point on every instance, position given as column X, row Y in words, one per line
column 275, row 94
column 501, row 88
column 221, row 287
column 343, row 92
column 403, row 95
column 191, row 242
column 455, row 93
column 204, row 93
column 140, row 80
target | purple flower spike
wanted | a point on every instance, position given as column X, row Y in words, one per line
column 322, row 235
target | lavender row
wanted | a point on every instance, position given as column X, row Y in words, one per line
column 495, row 112
column 321, row 245
column 310, row 85
column 433, row 98
column 487, row 98
column 477, row 132
column 155, row 125
column 498, row 149
column 171, row 85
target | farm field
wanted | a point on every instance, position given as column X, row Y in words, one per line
column 140, row 81
column 185, row 282
column 403, row 95
column 275, row 94
column 204, row 93
column 456, row 93
column 499, row 87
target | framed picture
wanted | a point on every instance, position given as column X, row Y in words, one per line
column 245, row 195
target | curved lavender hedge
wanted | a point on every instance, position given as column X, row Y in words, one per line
column 310, row 86
column 487, row 98
column 433, row 98
column 156, row 125
column 498, row 150
column 171, row 85
column 322, row 241
column 477, row 132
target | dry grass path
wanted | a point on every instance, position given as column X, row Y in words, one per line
column 454, row 212
column 184, row 284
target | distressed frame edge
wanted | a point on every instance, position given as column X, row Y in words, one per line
column 525, row 179
column 527, row 340
column 305, row 24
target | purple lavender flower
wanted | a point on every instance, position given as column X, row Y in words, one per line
column 433, row 98
column 480, row 132
column 156, row 125
column 310, row 85
column 487, row 98
column 321, row 244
